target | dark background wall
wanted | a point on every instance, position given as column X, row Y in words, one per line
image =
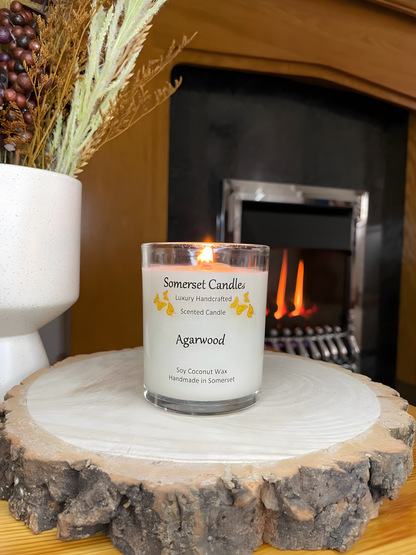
column 226, row 124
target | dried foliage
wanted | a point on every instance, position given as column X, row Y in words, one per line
column 14, row 133
column 64, row 53
column 132, row 103
column 88, row 89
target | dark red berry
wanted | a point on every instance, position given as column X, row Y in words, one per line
column 5, row 35
column 34, row 46
column 29, row 32
column 17, row 31
column 10, row 95
column 27, row 118
column 23, row 80
column 13, row 44
column 4, row 66
column 18, row 89
column 5, row 57
column 16, row 6
column 4, row 22
column 12, row 77
column 29, row 135
column 17, row 51
column 10, row 65
column 17, row 19
column 23, row 41
column 31, row 103
column 28, row 15
column 4, row 11
column 47, row 84
column 27, row 56
column 20, row 101
column 18, row 67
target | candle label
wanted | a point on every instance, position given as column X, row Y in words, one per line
column 203, row 332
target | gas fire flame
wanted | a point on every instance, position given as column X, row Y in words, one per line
column 298, row 300
column 300, row 309
column 281, row 291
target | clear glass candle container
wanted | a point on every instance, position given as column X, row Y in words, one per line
column 204, row 309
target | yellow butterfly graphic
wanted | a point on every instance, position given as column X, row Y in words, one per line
column 241, row 308
column 250, row 311
column 170, row 310
column 156, row 299
column 160, row 305
column 246, row 299
column 165, row 296
column 235, row 303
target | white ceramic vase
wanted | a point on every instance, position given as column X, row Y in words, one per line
column 40, row 227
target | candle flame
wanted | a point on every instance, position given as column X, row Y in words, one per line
column 206, row 255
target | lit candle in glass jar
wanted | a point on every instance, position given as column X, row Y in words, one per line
column 204, row 317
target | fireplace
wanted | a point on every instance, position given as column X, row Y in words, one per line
column 317, row 240
column 235, row 127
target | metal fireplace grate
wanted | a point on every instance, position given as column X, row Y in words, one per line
column 327, row 344
column 312, row 231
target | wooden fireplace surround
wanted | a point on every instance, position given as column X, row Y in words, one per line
column 366, row 46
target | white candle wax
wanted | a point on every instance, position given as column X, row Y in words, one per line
column 203, row 331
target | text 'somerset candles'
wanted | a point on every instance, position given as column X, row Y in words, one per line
column 204, row 316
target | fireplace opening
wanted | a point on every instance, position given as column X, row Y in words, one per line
column 307, row 288
column 317, row 238
column 308, row 311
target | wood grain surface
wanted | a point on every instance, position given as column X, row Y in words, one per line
column 306, row 406
column 406, row 359
column 405, row 6
column 392, row 533
column 350, row 36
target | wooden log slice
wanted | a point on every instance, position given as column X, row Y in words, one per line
column 306, row 468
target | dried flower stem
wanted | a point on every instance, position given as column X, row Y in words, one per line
column 64, row 48
column 116, row 39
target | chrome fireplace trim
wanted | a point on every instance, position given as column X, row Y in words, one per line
column 235, row 191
